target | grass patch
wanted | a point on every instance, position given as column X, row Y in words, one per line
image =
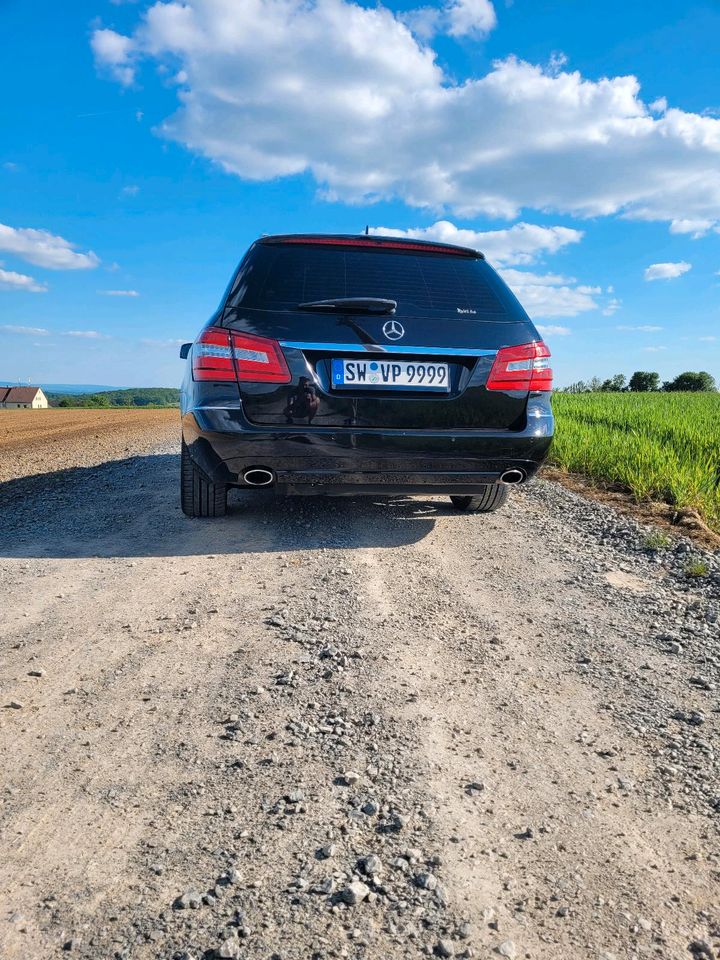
column 657, row 541
column 697, row 568
column 657, row 446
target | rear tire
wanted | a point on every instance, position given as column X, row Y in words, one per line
column 494, row 496
column 199, row 496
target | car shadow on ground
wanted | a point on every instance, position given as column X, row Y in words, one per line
column 130, row 508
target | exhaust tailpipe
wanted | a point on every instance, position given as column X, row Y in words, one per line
column 259, row 477
column 512, row 476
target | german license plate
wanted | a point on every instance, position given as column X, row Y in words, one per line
column 390, row 375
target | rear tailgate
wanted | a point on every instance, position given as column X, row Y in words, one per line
column 453, row 315
column 312, row 396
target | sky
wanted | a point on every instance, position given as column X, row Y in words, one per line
column 145, row 146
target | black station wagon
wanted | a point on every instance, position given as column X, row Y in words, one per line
column 364, row 365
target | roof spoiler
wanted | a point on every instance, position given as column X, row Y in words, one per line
column 373, row 242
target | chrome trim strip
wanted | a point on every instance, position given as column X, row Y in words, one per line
column 387, row 348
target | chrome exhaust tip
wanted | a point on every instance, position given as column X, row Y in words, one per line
column 259, row 477
column 512, row 476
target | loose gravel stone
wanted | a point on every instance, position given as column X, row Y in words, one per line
column 189, row 900
column 230, row 948
column 354, row 893
column 371, row 866
column 701, row 950
column 444, row 948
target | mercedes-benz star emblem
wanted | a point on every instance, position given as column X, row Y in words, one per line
column 393, row 330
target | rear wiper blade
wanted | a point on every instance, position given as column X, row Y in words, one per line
column 355, row 304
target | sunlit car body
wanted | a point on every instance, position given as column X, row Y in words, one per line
column 351, row 365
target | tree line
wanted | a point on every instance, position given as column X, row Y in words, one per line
column 138, row 397
column 643, row 381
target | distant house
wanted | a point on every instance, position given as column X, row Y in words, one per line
column 17, row 398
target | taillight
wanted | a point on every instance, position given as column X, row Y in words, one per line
column 224, row 355
column 212, row 357
column 259, row 358
column 526, row 367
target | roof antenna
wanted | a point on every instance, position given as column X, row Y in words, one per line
column 367, row 229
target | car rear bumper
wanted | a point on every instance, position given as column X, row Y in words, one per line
column 328, row 460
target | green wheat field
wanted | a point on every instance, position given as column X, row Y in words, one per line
column 658, row 446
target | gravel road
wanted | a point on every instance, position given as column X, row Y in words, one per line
column 351, row 728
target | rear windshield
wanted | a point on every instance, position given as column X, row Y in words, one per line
column 279, row 277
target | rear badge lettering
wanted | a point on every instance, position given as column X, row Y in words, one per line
column 466, row 310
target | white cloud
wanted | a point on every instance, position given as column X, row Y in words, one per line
column 556, row 62
column 710, row 339
column 612, row 306
column 10, row 280
column 114, row 51
column 553, row 331
column 654, row 349
column 470, row 18
column 119, row 293
column 643, row 328
column 87, row 334
column 170, row 342
column 44, row 249
column 458, row 18
column 549, row 295
column 667, row 271
column 281, row 87
column 696, row 228
column 131, row 190
column 519, row 244
column 425, row 22
column 25, row 331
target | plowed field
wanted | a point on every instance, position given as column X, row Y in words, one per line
column 43, row 441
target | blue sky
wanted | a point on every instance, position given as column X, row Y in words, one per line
column 145, row 146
